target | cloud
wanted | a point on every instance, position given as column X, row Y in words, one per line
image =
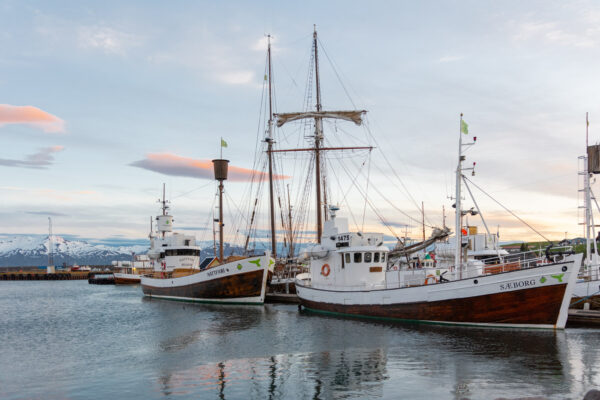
column 40, row 160
column 46, row 213
column 582, row 34
column 227, row 61
column 106, row 39
column 171, row 164
column 30, row 115
column 448, row 59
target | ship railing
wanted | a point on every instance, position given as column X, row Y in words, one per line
column 590, row 273
column 529, row 259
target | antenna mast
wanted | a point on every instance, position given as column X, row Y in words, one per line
column 50, row 246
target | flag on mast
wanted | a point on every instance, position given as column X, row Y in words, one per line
column 464, row 127
column 223, row 143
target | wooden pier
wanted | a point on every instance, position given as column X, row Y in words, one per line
column 43, row 276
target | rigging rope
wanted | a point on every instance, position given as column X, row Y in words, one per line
column 507, row 210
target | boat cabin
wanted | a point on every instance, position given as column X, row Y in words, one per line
column 349, row 259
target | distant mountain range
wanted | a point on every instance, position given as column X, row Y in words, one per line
column 33, row 251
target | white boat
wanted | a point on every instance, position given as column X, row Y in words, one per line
column 177, row 274
column 587, row 288
column 349, row 272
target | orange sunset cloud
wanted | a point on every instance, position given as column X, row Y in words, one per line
column 30, row 115
column 172, row 164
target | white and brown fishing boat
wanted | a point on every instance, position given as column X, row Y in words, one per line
column 351, row 272
column 349, row 275
column 178, row 276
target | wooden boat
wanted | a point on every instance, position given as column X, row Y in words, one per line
column 122, row 278
column 351, row 273
column 238, row 281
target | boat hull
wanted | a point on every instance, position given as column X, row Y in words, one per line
column 127, row 279
column 586, row 291
column 530, row 298
column 239, row 282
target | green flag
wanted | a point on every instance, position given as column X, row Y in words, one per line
column 464, row 127
column 223, row 143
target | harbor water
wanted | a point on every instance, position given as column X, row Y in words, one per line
column 71, row 340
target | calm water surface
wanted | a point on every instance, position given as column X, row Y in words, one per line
column 72, row 340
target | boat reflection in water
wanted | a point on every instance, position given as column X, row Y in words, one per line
column 311, row 375
column 420, row 361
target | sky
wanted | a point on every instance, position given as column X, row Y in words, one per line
column 103, row 102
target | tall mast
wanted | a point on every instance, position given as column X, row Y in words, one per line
column 423, row 218
column 291, row 233
column 164, row 206
column 458, row 211
column 318, row 115
column 269, row 141
column 588, row 197
column 220, row 170
column 318, row 138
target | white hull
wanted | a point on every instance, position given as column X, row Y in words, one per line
column 239, row 282
column 430, row 303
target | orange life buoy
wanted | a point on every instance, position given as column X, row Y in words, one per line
column 430, row 276
column 325, row 270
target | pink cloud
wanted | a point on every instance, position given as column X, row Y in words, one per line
column 30, row 115
column 172, row 164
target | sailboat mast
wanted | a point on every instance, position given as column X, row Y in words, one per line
column 291, row 232
column 220, row 169
column 458, row 211
column 270, row 156
column 318, row 138
column 588, row 200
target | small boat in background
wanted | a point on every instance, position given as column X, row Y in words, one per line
column 130, row 272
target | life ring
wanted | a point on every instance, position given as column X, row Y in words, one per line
column 325, row 270
column 395, row 268
column 430, row 276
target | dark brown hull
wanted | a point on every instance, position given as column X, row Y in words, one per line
column 239, row 286
column 534, row 306
column 126, row 281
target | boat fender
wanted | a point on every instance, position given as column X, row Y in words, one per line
column 430, row 277
column 325, row 270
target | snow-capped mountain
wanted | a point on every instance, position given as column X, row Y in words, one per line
column 33, row 250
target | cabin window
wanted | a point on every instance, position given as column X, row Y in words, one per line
column 382, row 257
column 368, row 257
column 347, row 258
column 357, row 257
column 376, row 257
column 187, row 242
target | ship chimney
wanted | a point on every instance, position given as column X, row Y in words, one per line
column 220, row 167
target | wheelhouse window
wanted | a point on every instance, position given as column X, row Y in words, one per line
column 382, row 257
column 347, row 258
column 376, row 257
column 368, row 257
column 357, row 257
column 182, row 252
